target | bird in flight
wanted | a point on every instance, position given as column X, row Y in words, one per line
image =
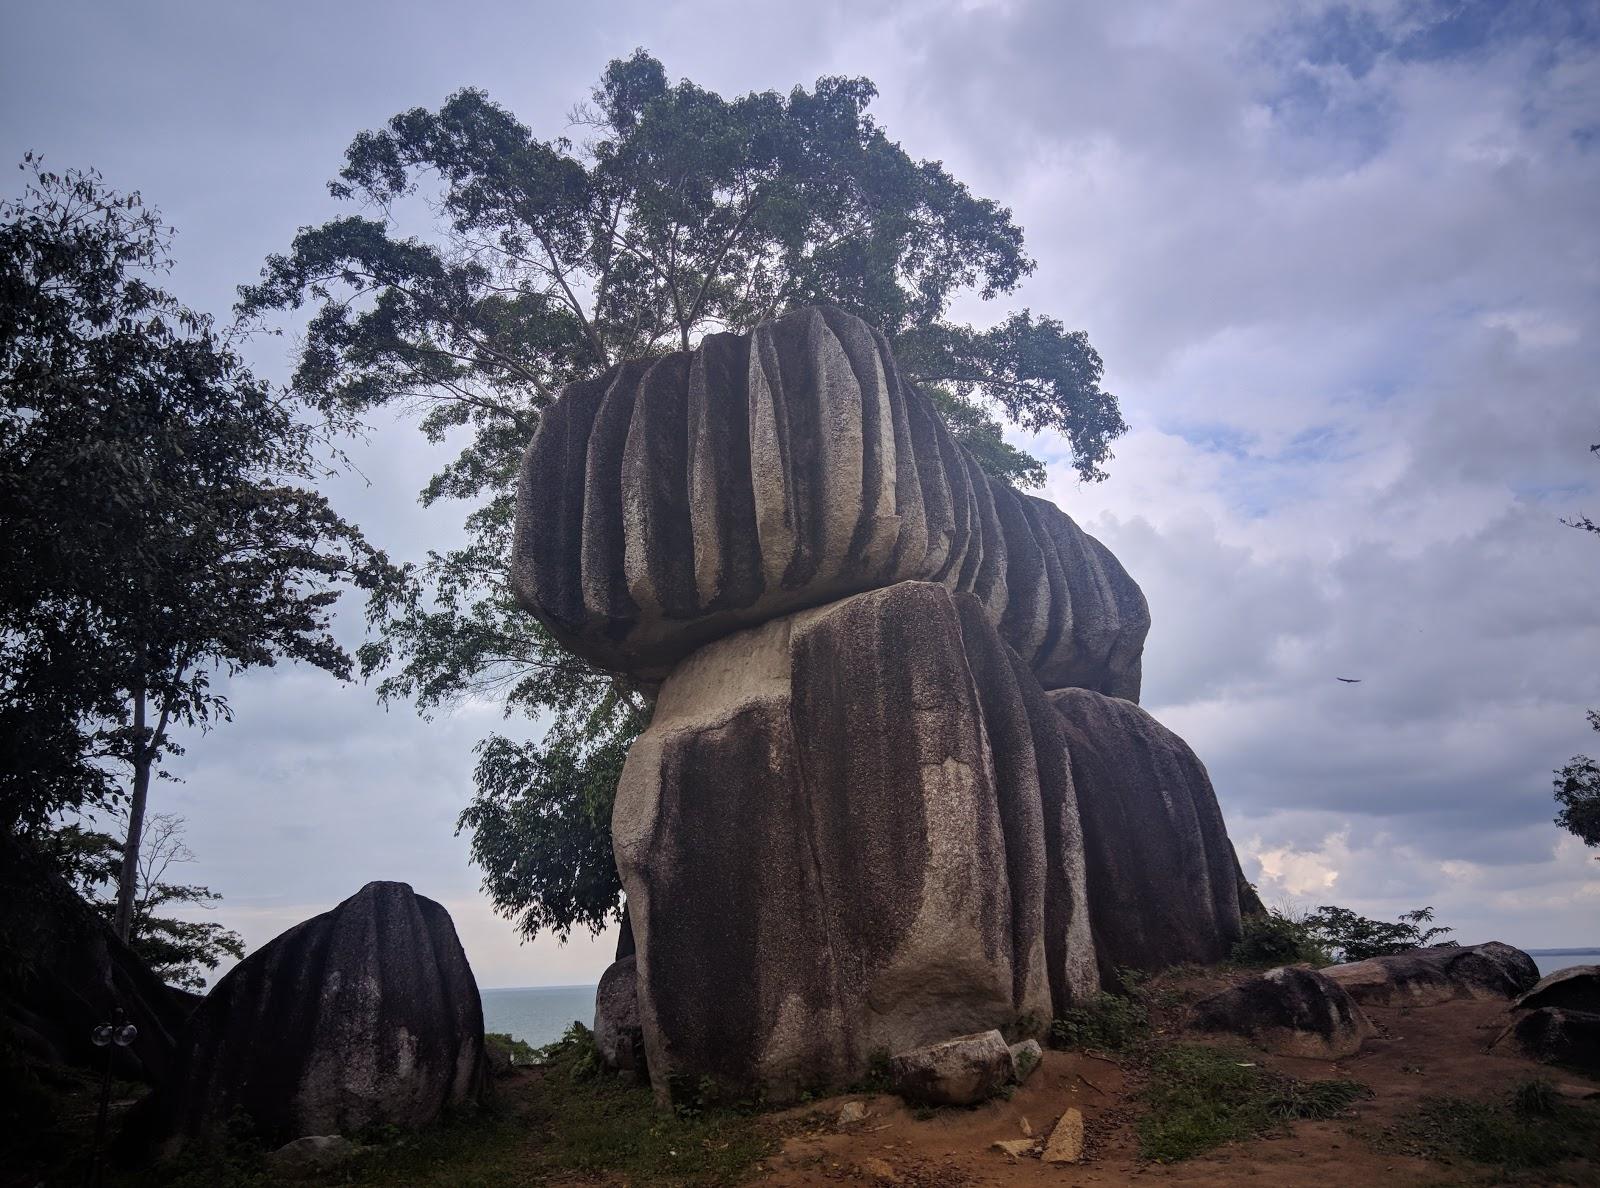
column 1349, row 680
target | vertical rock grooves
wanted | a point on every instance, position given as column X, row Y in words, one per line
column 672, row 501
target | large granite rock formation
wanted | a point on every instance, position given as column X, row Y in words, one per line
column 835, row 841
column 365, row 1015
column 1163, row 879
column 674, row 500
column 896, row 788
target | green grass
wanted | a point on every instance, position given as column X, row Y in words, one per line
column 1530, row 1129
column 1107, row 1022
column 1199, row 1097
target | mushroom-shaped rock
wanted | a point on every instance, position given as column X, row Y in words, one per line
column 1163, row 878
column 670, row 502
column 1556, row 1036
column 1291, row 1011
column 367, row 1015
column 1440, row 973
column 1576, row 988
column 960, row 1071
column 846, row 831
column 617, row 1034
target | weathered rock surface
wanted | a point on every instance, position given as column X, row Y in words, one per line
column 1162, row 875
column 1576, row 988
column 365, row 1015
column 311, row 1155
column 1557, row 1036
column 1025, row 1057
column 617, row 1033
column 838, row 837
column 71, row 974
column 673, row 501
column 1289, row 1011
column 1440, row 973
column 960, row 1071
column 1065, row 1144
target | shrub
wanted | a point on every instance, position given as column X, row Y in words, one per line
column 506, row 1053
column 1275, row 939
column 1111, row 1022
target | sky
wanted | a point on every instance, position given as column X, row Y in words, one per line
column 1342, row 262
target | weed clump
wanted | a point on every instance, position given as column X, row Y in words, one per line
column 1107, row 1022
column 1528, row 1129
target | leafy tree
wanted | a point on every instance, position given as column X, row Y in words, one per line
column 178, row 951
column 1577, row 790
column 151, row 501
column 1351, row 937
column 680, row 213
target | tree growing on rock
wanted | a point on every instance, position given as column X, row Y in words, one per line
column 156, row 503
column 677, row 213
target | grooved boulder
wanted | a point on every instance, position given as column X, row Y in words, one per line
column 838, row 836
column 366, row 1015
column 1290, row 1011
column 1163, row 878
column 1439, row 973
column 670, row 502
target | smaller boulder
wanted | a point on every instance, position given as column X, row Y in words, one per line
column 1556, row 1036
column 960, row 1071
column 1441, row 973
column 1291, row 1011
column 617, row 1031
column 1576, row 988
column 311, row 1155
column 1016, row 1148
column 852, row 1112
column 1025, row 1057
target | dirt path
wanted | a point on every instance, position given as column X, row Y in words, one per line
column 1422, row 1053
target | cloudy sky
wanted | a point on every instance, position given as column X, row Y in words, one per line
column 1342, row 261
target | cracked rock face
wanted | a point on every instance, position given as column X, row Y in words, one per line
column 672, row 501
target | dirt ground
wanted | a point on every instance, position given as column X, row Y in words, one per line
column 1424, row 1052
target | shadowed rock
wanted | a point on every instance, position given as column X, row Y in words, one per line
column 617, row 1034
column 836, row 838
column 1162, row 876
column 1556, row 1036
column 367, row 1015
column 1289, row 1011
column 1576, row 988
column 960, row 1071
column 673, row 501
column 1440, row 973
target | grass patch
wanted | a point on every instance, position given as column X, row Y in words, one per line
column 1529, row 1129
column 1200, row 1097
column 1107, row 1022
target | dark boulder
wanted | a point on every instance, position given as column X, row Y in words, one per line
column 1556, row 1036
column 617, row 1033
column 1576, row 988
column 67, row 972
column 955, row 1072
column 673, row 501
column 1440, row 973
column 1162, row 875
column 1290, row 1011
column 367, row 1015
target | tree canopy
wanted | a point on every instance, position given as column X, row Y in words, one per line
column 157, row 503
column 670, row 212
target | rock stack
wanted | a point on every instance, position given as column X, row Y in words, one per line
column 897, row 787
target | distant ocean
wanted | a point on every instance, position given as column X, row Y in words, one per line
column 537, row 1014
column 1550, row 960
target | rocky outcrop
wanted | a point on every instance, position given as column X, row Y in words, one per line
column 960, row 1071
column 67, row 973
column 1441, row 973
column 1556, row 1036
column 617, row 1034
column 1290, row 1011
column 673, row 501
column 1163, row 879
column 366, row 1015
column 835, row 840
column 1576, row 988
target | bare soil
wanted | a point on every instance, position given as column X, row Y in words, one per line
column 1421, row 1053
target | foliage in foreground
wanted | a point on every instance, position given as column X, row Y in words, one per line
column 1200, row 1097
column 1107, row 1022
column 1528, row 1129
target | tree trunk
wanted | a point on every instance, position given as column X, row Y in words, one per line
column 143, row 757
